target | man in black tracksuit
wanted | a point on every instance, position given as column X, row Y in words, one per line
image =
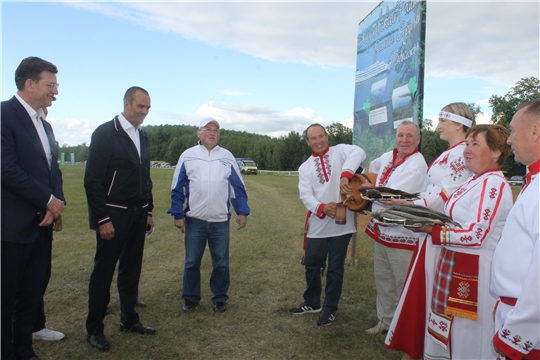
column 119, row 192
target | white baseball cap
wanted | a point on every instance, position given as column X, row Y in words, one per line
column 207, row 121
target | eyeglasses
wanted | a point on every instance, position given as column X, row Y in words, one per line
column 53, row 85
column 208, row 130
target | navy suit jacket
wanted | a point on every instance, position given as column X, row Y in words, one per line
column 27, row 181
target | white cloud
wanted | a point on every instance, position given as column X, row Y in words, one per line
column 72, row 131
column 497, row 41
column 349, row 122
column 494, row 40
column 252, row 119
column 483, row 119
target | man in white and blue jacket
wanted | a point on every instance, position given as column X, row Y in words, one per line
column 207, row 180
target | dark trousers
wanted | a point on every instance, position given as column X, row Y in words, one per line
column 24, row 269
column 317, row 250
column 40, row 319
column 126, row 248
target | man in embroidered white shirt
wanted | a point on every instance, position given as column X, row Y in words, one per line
column 322, row 178
column 403, row 168
column 515, row 268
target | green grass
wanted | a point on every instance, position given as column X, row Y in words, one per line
column 266, row 275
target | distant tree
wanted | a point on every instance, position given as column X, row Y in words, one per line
column 292, row 152
column 504, row 107
column 431, row 145
column 81, row 154
column 475, row 110
column 80, row 151
column 339, row 134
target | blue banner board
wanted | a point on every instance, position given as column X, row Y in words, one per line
column 389, row 83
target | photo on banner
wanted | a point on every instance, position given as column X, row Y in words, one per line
column 389, row 85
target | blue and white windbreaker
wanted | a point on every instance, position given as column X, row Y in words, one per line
column 205, row 181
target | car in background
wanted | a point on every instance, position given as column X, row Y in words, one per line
column 247, row 166
column 516, row 180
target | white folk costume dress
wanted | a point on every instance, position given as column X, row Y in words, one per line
column 319, row 178
column 515, row 275
column 460, row 320
column 394, row 245
column 407, row 330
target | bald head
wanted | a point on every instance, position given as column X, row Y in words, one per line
column 525, row 133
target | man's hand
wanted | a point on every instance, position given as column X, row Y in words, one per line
column 241, row 220
column 330, row 210
column 106, row 231
column 344, row 185
column 424, row 229
column 179, row 224
column 47, row 219
column 149, row 225
column 57, row 223
column 56, row 206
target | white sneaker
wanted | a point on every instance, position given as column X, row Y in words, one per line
column 47, row 335
column 378, row 329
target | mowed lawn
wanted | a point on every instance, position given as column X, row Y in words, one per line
column 267, row 279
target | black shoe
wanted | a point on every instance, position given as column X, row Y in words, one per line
column 325, row 319
column 304, row 309
column 188, row 306
column 220, row 307
column 140, row 303
column 99, row 342
column 138, row 328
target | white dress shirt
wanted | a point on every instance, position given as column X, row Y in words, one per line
column 36, row 120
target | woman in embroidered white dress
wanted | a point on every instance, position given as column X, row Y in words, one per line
column 444, row 176
column 460, row 320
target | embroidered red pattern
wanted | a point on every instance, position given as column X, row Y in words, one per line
column 444, row 160
column 464, row 289
column 465, row 238
column 457, row 166
column 479, row 233
column 487, row 213
column 459, row 191
column 384, row 176
column 402, row 240
column 443, row 326
column 328, row 166
column 517, row 340
column 492, row 193
column 319, row 169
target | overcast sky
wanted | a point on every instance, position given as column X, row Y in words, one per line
column 260, row 67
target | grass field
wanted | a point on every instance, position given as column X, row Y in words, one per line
column 267, row 279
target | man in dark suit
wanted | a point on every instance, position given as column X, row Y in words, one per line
column 119, row 192
column 32, row 202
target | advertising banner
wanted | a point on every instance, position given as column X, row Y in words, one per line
column 389, row 73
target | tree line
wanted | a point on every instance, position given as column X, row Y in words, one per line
column 288, row 152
